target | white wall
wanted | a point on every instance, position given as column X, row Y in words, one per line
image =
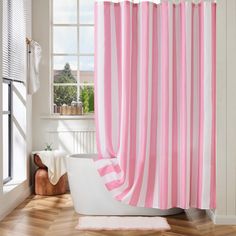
column 226, row 112
column 41, row 99
column 12, row 195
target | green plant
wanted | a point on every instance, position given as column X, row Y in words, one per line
column 91, row 98
column 48, row 147
column 87, row 98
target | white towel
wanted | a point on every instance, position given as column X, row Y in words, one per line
column 33, row 67
column 55, row 162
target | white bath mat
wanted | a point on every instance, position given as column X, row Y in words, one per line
column 122, row 223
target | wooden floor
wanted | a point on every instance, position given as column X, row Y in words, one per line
column 55, row 216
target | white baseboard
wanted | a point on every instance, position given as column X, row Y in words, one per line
column 225, row 220
column 221, row 219
column 19, row 198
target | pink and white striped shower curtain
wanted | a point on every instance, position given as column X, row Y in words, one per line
column 155, row 102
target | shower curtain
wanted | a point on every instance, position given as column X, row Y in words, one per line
column 155, row 100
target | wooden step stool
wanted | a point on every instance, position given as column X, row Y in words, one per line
column 42, row 184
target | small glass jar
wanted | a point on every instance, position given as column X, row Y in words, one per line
column 64, row 109
column 79, row 108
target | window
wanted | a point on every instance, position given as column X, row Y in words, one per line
column 72, row 56
column 7, row 130
column 13, row 68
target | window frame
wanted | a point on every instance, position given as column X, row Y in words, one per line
column 78, row 55
column 10, row 141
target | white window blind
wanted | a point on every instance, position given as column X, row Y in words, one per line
column 14, row 44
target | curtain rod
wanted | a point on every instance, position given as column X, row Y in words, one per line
column 157, row 1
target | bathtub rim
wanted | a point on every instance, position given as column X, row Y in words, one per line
column 83, row 156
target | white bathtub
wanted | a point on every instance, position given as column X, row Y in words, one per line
column 90, row 197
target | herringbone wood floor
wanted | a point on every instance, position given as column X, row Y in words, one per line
column 55, row 216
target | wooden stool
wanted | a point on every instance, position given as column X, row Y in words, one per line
column 42, row 184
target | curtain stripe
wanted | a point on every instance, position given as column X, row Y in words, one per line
column 178, row 65
column 133, row 107
column 109, row 168
column 156, row 198
column 201, row 104
column 107, row 78
column 139, row 90
column 175, row 184
column 125, row 74
column 183, row 106
column 195, row 104
column 207, row 103
column 188, row 15
column 164, row 107
column 117, row 29
column 155, row 102
column 99, row 73
column 153, row 135
column 213, row 137
column 114, row 85
column 143, row 192
column 170, row 63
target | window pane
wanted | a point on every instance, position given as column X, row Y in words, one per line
column 86, row 63
column 86, row 12
column 86, row 39
column 64, row 39
column 5, row 146
column 59, row 62
column 86, row 77
column 65, row 69
column 5, row 98
column 65, row 94
column 65, row 12
column 87, row 98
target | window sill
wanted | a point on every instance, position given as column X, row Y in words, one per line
column 70, row 117
column 8, row 187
